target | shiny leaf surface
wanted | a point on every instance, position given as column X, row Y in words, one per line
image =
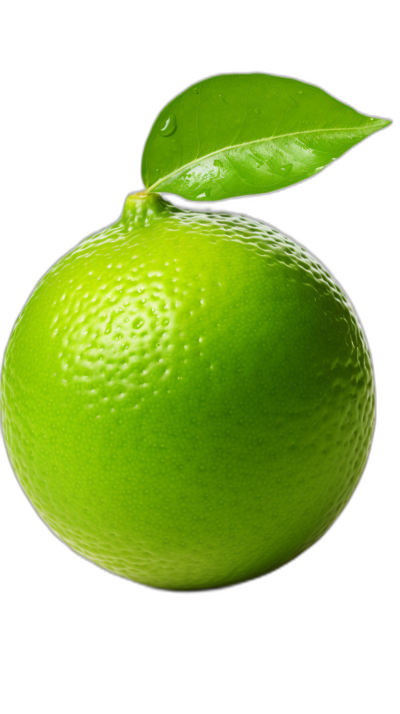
column 239, row 134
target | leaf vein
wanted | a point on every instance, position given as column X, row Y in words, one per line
column 225, row 149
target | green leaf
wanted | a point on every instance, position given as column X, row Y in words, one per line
column 238, row 134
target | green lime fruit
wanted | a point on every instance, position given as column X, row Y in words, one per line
column 188, row 398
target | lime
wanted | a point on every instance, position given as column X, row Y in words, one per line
column 188, row 398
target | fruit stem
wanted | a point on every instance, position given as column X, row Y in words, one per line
column 142, row 207
column 141, row 194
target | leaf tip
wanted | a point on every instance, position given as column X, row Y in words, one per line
column 380, row 123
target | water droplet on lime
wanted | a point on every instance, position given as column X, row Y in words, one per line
column 138, row 322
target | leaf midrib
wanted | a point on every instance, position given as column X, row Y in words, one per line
column 248, row 143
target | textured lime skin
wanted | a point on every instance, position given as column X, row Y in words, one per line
column 188, row 398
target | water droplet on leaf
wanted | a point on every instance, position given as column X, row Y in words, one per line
column 218, row 165
column 300, row 91
column 169, row 126
column 206, row 194
column 195, row 91
column 287, row 168
column 292, row 102
column 257, row 110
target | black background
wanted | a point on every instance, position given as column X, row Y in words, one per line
column 79, row 112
